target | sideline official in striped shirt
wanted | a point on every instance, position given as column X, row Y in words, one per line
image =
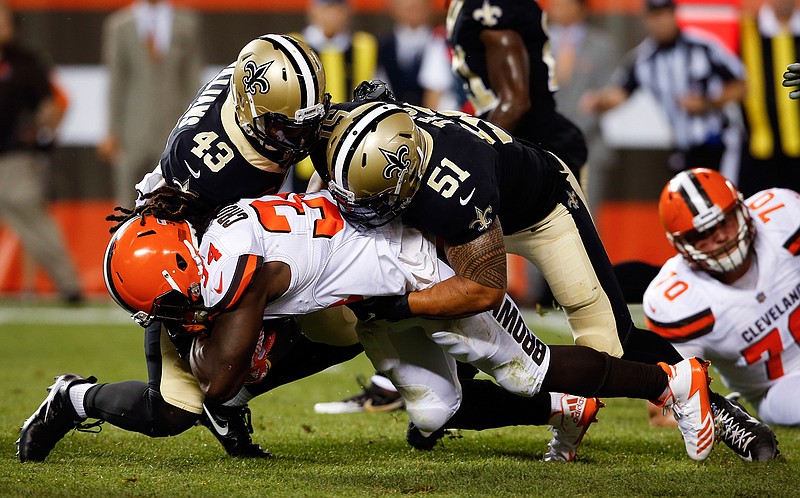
column 692, row 77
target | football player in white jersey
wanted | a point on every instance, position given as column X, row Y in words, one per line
column 732, row 295
column 293, row 254
column 238, row 138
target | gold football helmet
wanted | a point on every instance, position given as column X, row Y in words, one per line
column 692, row 205
column 278, row 89
column 376, row 159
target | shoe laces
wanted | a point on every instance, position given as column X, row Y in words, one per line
column 730, row 430
column 91, row 427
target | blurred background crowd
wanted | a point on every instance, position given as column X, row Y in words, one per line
column 108, row 79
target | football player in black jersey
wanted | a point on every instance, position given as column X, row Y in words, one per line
column 238, row 138
column 482, row 193
column 501, row 54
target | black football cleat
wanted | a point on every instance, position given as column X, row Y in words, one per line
column 423, row 443
column 231, row 425
column 52, row 421
column 748, row 437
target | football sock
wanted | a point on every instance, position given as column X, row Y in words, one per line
column 242, row 398
column 485, row 405
column 76, row 394
column 585, row 372
column 648, row 347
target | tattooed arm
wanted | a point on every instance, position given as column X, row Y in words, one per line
column 479, row 284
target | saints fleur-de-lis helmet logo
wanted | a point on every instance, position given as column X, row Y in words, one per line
column 488, row 14
column 255, row 77
column 396, row 161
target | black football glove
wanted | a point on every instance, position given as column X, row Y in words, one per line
column 370, row 91
column 792, row 78
column 392, row 308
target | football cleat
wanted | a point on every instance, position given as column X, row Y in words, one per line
column 569, row 424
column 415, row 438
column 688, row 399
column 748, row 437
column 372, row 399
column 54, row 418
column 232, row 426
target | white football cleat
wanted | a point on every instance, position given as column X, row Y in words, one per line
column 687, row 396
column 569, row 424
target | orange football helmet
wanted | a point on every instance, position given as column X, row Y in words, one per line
column 693, row 203
column 151, row 268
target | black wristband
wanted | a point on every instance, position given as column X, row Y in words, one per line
column 402, row 309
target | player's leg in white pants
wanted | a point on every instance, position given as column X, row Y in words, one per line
column 781, row 404
column 420, row 370
column 500, row 344
column 418, row 356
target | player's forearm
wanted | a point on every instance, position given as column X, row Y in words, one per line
column 454, row 297
column 508, row 114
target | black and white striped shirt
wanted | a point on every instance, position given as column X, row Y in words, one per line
column 693, row 64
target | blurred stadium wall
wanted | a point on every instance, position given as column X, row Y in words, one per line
column 69, row 33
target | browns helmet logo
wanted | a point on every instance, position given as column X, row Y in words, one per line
column 397, row 161
column 255, row 77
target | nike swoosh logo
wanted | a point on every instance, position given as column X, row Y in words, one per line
column 194, row 173
column 221, row 430
column 218, row 290
column 466, row 200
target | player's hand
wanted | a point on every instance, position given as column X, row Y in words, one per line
column 392, row 308
column 792, row 78
column 370, row 91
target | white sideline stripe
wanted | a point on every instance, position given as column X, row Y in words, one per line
column 85, row 315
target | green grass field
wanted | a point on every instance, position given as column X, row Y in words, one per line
column 333, row 455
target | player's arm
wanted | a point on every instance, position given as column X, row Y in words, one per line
column 221, row 360
column 479, row 284
column 509, row 74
